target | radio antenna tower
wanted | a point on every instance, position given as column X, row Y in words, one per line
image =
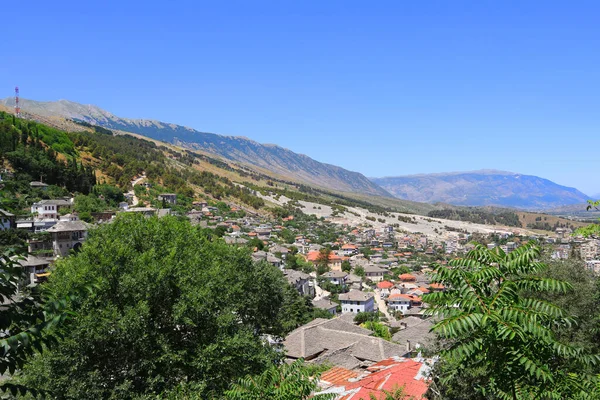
column 17, row 108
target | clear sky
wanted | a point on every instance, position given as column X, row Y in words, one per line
column 380, row 87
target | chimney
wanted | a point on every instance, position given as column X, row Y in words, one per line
column 408, row 349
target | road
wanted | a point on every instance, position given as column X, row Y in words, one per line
column 320, row 293
column 132, row 191
column 382, row 306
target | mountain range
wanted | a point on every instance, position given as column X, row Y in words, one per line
column 482, row 188
column 477, row 188
column 276, row 159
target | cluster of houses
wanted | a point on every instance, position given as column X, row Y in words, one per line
column 65, row 231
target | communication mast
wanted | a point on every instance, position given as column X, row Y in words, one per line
column 17, row 108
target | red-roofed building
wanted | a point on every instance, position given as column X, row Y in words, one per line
column 390, row 374
column 334, row 262
column 337, row 376
column 350, row 249
column 385, row 287
column 436, row 287
column 407, row 278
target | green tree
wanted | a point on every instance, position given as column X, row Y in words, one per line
column 491, row 316
column 323, row 260
column 285, row 382
column 171, row 308
column 27, row 319
column 360, row 271
column 346, row 266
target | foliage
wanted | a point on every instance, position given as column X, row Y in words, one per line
column 27, row 319
column 592, row 230
column 360, row 271
column 346, row 266
column 491, row 316
column 171, row 308
column 362, row 317
column 284, row 382
column 477, row 216
column 379, row 329
column 33, row 151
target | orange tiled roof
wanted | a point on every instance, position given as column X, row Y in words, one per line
column 385, row 285
column 338, row 376
column 402, row 373
column 407, row 277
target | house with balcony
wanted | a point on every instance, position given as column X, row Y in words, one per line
column 67, row 236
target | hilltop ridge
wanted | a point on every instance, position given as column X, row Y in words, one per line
column 235, row 148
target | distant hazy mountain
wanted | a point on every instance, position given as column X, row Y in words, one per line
column 482, row 188
column 270, row 157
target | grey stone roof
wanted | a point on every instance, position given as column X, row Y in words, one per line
column 294, row 277
column 355, row 295
column 335, row 274
column 33, row 261
column 324, row 304
column 6, row 213
column 417, row 331
column 339, row 342
column 370, row 268
column 68, row 226
column 56, row 202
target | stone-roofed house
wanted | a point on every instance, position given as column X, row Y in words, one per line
column 356, row 301
column 336, row 277
column 374, row 273
column 67, row 235
column 35, row 267
column 7, row 220
column 339, row 343
column 300, row 281
column 326, row 304
column 49, row 209
column 415, row 333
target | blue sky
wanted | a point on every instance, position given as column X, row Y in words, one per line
column 384, row 88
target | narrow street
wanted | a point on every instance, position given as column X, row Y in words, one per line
column 382, row 306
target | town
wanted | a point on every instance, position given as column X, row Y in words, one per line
column 366, row 277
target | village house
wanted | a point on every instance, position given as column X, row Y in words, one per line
column 349, row 249
column 67, row 236
column 356, row 301
column 327, row 305
column 36, row 269
column 334, row 262
column 38, row 185
column 300, row 281
column 381, row 379
column 336, row 277
column 403, row 302
column 374, row 273
column 338, row 342
column 49, row 209
column 168, row 198
column 384, row 288
column 7, row 220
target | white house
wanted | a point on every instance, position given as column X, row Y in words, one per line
column 49, row 209
column 399, row 302
column 356, row 301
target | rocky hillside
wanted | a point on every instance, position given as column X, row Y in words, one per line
column 273, row 158
column 482, row 188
